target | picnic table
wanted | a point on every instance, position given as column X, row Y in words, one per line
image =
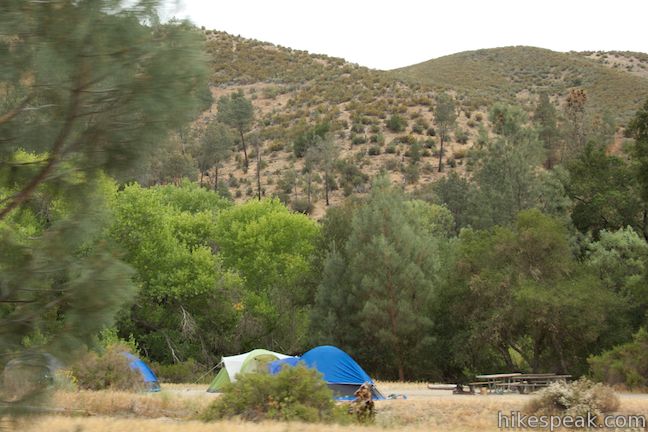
column 523, row 383
column 493, row 382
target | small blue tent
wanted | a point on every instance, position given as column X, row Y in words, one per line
column 342, row 374
column 152, row 383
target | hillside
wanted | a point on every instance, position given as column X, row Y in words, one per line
column 513, row 73
column 293, row 91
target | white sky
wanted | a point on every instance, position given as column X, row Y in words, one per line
column 390, row 34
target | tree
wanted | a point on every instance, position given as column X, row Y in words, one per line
column 271, row 248
column 256, row 142
column 575, row 114
column 185, row 301
column 605, row 193
column 308, row 137
column 620, row 259
column 81, row 103
column 638, row 128
column 454, row 192
column 506, row 174
column 215, row 148
column 544, row 118
column 445, row 116
column 377, row 291
column 237, row 112
column 325, row 155
column 527, row 301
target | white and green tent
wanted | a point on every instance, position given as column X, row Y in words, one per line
column 253, row 361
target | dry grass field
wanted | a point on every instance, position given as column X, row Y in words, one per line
column 174, row 410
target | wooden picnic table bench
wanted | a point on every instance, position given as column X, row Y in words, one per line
column 523, row 383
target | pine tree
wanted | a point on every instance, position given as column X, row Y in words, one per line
column 78, row 103
column 381, row 285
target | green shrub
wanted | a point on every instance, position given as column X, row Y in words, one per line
column 357, row 128
column 626, row 364
column 275, row 146
column 294, row 394
column 378, row 139
column 461, row 136
column 575, row 399
column 358, row 139
column 107, row 370
column 411, row 173
column 396, row 123
column 301, row 205
column 374, row 151
column 418, row 129
column 390, row 149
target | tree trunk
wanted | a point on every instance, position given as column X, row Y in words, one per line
column 326, row 187
column 258, row 171
column 216, row 179
column 202, row 174
column 309, row 188
column 244, row 148
column 561, row 357
column 401, row 371
column 441, row 153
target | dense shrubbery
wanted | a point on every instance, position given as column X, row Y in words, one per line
column 625, row 364
column 188, row 371
column 295, row 393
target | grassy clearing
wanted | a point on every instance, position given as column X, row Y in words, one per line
column 124, row 404
column 173, row 411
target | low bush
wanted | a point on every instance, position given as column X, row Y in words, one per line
column 301, row 205
column 578, row 398
column 107, row 370
column 461, row 136
column 374, row 151
column 396, row 123
column 378, row 139
column 294, row 394
column 358, row 139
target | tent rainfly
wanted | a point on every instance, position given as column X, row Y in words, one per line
column 136, row 364
column 342, row 374
column 253, row 361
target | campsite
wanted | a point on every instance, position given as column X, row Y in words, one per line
column 325, row 215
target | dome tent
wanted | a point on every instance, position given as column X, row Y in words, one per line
column 152, row 383
column 342, row 374
column 253, row 361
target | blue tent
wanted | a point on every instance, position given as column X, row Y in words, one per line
column 275, row 366
column 147, row 374
column 342, row 374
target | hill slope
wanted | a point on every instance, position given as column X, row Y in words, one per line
column 293, row 91
column 511, row 73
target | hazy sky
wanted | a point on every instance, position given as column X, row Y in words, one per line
column 389, row 34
